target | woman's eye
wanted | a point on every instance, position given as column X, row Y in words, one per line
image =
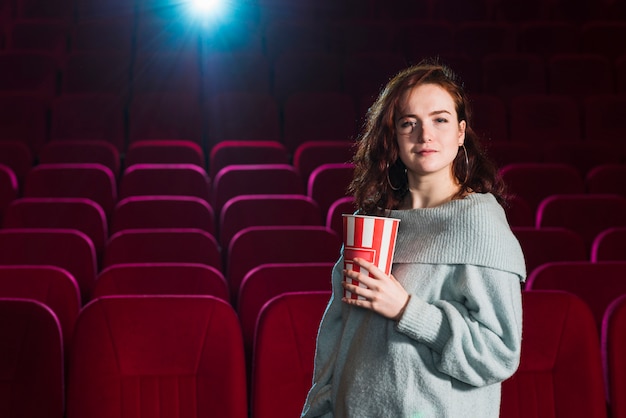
column 441, row 120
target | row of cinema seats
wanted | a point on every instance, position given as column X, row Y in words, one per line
column 117, row 216
column 184, row 356
column 510, row 106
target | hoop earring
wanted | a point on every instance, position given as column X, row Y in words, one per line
column 395, row 189
column 466, row 163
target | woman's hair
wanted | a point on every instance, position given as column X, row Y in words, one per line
column 380, row 180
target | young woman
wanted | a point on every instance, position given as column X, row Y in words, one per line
column 438, row 336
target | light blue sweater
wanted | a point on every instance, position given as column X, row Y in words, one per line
column 459, row 337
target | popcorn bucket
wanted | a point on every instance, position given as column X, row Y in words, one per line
column 372, row 238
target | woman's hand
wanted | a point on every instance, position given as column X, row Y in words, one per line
column 384, row 294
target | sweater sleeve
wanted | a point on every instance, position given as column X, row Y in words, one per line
column 318, row 403
column 476, row 340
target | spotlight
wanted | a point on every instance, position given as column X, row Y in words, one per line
column 207, row 8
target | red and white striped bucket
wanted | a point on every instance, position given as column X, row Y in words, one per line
column 372, row 238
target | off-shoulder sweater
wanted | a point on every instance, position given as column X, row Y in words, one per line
column 460, row 334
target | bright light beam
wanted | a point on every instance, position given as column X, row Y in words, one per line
column 207, row 8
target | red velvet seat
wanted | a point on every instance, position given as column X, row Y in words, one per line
column 98, row 72
column 601, row 113
column 165, row 180
column 266, row 209
column 68, row 249
column 613, row 349
column 24, row 117
column 311, row 154
column 52, row 286
column 267, row 281
column 243, row 179
column 490, row 118
column 567, row 75
column 597, row 284
column 609, row 245
column 234, row 152
column 77, row 213
column 539, row 118
column 86, row 180
column 17, row 156
column 157, row 356
column 334, row 218
column 585, row 214
column 156, row 211
column 607, row 178
column 161, row 279
column 507, row 75
column 31, row 360
column 164, row 151
column 284, row 350
column 98, row 151
column 258, row 245
column 543, row 245
column 329, row 182
column 161, row 245
column 298, row 71
column 535, row 181
column 165, row 115
column 9, row 188
column 560, row 372
column 336, row 113
column 224, row 117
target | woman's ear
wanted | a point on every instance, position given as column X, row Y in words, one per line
column 462, row 126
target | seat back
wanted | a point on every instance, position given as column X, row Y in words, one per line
column 31, row 360
column 165, row 179
column 336, row 111
column 613, row 349
column 161, row 279
column 9, row 188
column 329, row 182
column 160, row 355
column 543, row 245
column 25, row 117
column 266, row 209
column 311, row 154
column 284, row 351
column 235, row 180
column 68, row 249
column 585, row 214
column 267, row 281
column 159, row 245
column 77, row 213
column 136, row 212
column 538, row 118
column 91, row 116
column 609, row 244
column 164, row 151
column 334, row 216
column 533, row 182
column 81, row 151
column 597, row 284
column 560, row 372
column 233, row 152
column 258, row 245
column 164, row 115
column 607, row 178
column 87, row 180
column 53, row 286
column 262, row 121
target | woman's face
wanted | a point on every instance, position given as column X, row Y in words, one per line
column 428, row 131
